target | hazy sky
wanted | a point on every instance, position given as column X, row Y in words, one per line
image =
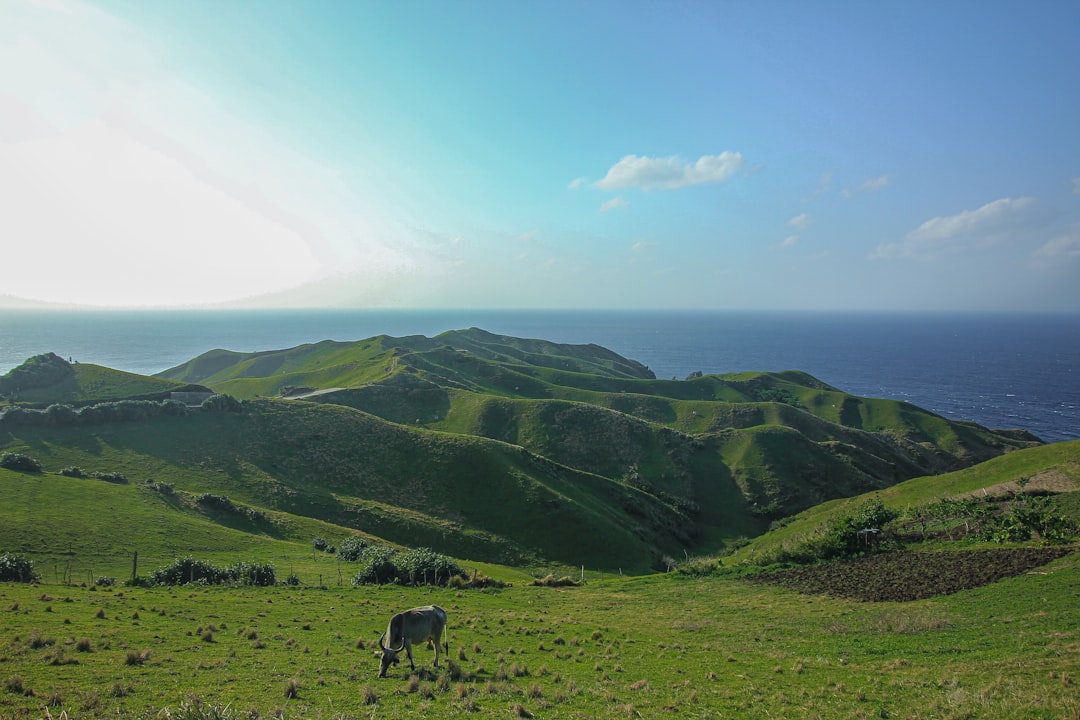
column 830, row 155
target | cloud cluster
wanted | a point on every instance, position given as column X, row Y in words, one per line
column 800, row 221
column 613, row 203
column 949, row 233
column 669, row 173
column 868, row 186
column 1064, row 247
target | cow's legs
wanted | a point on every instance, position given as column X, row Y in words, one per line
column 408, row 651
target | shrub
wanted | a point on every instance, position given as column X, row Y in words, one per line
column 182, row 572
column 61, row 415
column 254, row 573
column 221, row 502
column 173, row 408
column 221, row 403
column 18, row 461
column 105, row 581
column 185, row 571
column 75, row 472
column 376, row 566
column 113, row 477
column 17, row 568
column 840, row 537
column 351, row 547
column 422, row 565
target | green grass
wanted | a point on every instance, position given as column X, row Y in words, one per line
column 649, row 647
column 469, row 497
column 1062, row 460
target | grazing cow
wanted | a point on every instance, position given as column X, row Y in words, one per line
column 409, row 627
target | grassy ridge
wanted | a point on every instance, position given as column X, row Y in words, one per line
column 468, row 496
column 512, row 450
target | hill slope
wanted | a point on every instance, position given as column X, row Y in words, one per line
column 503, row 449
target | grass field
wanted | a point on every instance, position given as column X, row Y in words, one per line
column 660, row 646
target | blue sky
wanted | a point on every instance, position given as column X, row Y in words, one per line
column 826, row 155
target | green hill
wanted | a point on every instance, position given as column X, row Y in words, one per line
column 49, row 379
column 483, row 446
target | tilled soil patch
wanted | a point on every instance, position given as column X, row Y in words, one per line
column 900, row 576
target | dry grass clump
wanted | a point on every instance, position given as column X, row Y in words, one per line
column 292, row 689
column 552, row 581
column 476, row 581
column 137, row 658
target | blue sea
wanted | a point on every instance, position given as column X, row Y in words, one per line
column 999, row 370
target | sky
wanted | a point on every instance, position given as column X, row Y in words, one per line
column 491, row 154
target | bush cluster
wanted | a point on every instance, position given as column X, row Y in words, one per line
column 221, row 503
column 1014, row 517
column 843, row 536
column 18, row 461
column 381, row 565
column 108, row 412
column 351, row 547
column 218, row 502
column 322, row 545
column 17, row 568
column 187, row 571
column 113, row 477
column 105, row 412
column 221, row 403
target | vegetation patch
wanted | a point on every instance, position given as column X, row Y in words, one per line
column 17, row 568
column 18, row 461
column 903, row 576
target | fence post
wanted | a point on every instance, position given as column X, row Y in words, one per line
column 135, row 567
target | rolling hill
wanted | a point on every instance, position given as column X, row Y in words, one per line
column 489, row 447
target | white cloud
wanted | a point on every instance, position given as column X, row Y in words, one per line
column 870, row 185
column 799, row 221
column 823, row 186
column 641, row 246
column 669, row 173
column 1062, row 248
column 576, row 183
column 613, row 203
column 790, row 241
column 988, row 224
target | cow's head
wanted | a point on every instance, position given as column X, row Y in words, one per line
column 388, row 656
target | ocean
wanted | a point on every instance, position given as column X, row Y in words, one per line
column 999, row 370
